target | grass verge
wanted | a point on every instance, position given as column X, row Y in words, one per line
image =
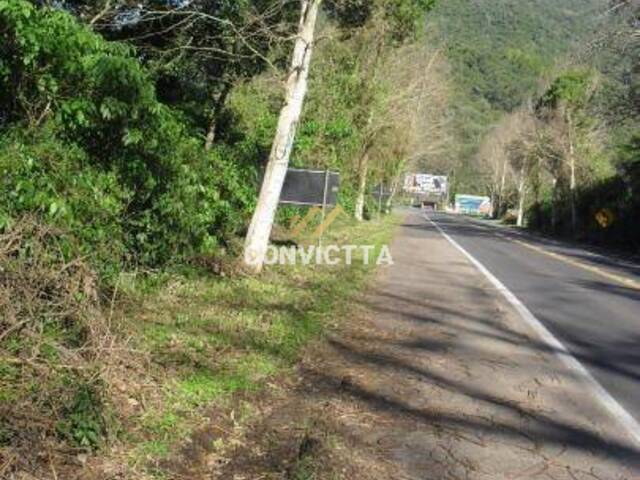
column 206, row 339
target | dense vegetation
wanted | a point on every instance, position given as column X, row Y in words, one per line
column 90, row 147
column 544, row 115
column 132, row 140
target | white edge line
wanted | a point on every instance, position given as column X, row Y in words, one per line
column 624, row 418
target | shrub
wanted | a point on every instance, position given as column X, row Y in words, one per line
column 41, row 175
column 52, row 344
column 95, row 152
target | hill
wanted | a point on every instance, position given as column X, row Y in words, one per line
column 499, row 52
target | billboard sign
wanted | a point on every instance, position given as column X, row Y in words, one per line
column 379, row 192
column 424, row 183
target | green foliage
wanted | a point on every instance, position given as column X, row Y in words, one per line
column 116, row 167
column 608, row 177
column 616, row 194
column 349, row 13
column 405, row 18
column 331, row 128
column 629, row 156
column 52, row 61
column 254, row 107
column 500, row 51
column 43, row 175
column 83, row 424
column 572, row 88
column 197, row 80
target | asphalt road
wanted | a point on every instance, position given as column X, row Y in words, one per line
column 589, row 302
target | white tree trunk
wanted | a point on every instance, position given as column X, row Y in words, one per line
column 521, row 198
column 572, row 180
column 554, row 199
column 257, row 241
column 211, row 135
column 392, row 194
column 362, row 185
column 503, row 181
column 572, row 188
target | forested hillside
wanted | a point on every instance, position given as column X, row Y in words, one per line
column 502, row 53
column 558, row 151
column 133, row 138
column 501, row 48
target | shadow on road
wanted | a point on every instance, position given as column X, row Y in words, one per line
column 439, row 353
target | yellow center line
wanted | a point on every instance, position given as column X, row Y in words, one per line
column 628, row 282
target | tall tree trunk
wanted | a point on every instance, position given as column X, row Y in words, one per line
column 395, row 183
column 535, row 187
column 503, row 182
column 572, row 180
column 363, row 171
column 211, row 133
column 521, row 198
column 218, row 107
column 257, row 241
column 363, row 165
column 572, row 188
column 493, row 195
column 494, row 202
column 554, row 206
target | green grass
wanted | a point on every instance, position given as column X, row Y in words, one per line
column 209, row 338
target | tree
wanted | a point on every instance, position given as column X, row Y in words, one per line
column 550, row 151
column 500, row 155
column 565, row 99
column 521, row 161
column 198, row 50
column 414, row 113
column 257, row 240
column 392, row 24
column 492, row 155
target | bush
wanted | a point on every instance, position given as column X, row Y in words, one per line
column 52, row 344
column 109, row 163
column 41, row 175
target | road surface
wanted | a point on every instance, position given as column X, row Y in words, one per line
column 591, row 304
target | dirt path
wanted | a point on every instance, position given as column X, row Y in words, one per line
column 436, row 378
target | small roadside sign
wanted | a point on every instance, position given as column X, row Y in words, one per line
column 310, row 187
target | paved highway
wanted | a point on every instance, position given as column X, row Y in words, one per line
column 588, row 302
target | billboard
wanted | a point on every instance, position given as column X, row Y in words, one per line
column 310, row 187
column 473, row 204
column 425, row 183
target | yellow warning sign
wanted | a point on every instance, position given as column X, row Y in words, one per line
column 605, row 218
